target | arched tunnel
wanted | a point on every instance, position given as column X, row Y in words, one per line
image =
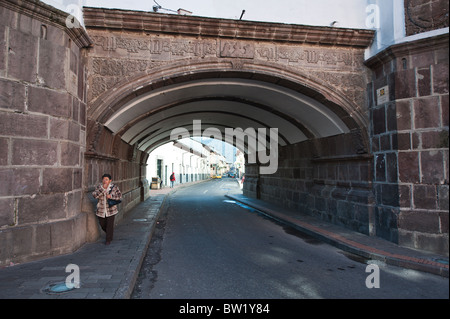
column 319, row 134
column 301, row 88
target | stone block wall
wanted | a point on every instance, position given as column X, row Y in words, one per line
column 42, row 132
column 108, row 154
column 326, row 178
column 422, row 16
column 410, row 142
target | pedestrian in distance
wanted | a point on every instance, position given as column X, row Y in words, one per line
column 107, row 211
column 172, row 179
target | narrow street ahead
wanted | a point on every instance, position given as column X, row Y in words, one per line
column 207, row 246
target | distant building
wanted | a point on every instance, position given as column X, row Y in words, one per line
column 239, row 164
column 190, row 160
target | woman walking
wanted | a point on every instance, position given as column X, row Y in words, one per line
column 106, row 213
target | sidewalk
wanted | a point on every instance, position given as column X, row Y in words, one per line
column 106, row 272
column 372, row 248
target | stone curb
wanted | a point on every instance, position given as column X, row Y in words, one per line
column 352, row 246
column 127, row 284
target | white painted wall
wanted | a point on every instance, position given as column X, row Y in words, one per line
column 191, row 166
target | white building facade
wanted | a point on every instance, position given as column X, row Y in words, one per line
column 190, row 160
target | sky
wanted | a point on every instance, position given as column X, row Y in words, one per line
column 384, row 16
column 318, row 12
column 347, row 13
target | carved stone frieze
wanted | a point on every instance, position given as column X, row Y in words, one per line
column 310, row 56
column 99, row 85
column 237, row 49
column 237, row 64
column 113, row 67
column 158, row 48
column 350, row 84
column 107, row 72
column 118, row 56
column 152, row 47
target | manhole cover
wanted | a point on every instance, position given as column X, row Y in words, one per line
column 58, row 288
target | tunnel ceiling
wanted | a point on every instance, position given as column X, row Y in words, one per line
column 149, row 119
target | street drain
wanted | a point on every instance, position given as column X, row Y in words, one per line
column 57, row 288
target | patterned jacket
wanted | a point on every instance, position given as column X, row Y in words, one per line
column 103, row 209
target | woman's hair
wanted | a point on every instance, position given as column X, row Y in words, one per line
column 106, row 175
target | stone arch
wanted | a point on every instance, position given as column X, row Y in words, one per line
column 353, row 115
column 121, row 110
column 146, row 75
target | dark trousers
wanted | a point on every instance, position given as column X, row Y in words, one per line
column 107, row 224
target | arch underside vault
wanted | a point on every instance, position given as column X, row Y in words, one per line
column 147, row 119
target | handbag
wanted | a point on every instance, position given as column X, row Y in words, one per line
column 112, row 202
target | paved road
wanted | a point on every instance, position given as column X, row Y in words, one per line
column 206, row 246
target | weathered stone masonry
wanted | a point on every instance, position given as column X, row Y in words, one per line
column 410, row 143
column 108, row 153
column 42, row 132
column 328, row 178
column 387, row 176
